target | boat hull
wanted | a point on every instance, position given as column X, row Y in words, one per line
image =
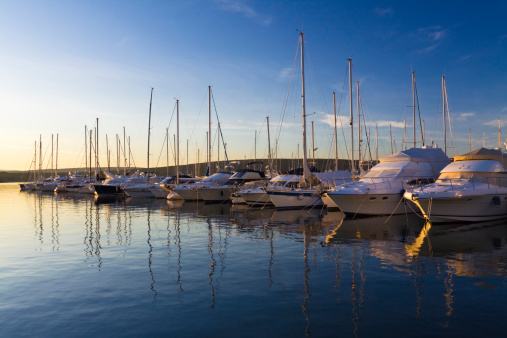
column 295, row 199
column 105, row 190
column 471, row 208
column 370, row 204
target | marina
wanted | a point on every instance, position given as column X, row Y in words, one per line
column 73, row 265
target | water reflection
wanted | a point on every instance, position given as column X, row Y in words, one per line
column 310, row 264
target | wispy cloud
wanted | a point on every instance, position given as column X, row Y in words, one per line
column 464, row 58
column 494, row 123
column 238, row 6
column 432, row 36
column 345, row 120
column 394, row 124
column 464, row 116
column 329, row 120
column 384, row 11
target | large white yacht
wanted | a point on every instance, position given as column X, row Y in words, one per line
column 380, row 191
column 472, row 188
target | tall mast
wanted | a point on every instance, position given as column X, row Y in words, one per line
column 352, row 168
column 56, row 161
column 255, row 145
column 109, row 157
column 40, row 155
column 413, row 104
column 335, row 135
column 177, row 141
column 209, row 129
column 167, row 149
column 86, row 150
column 391, row 136
column 484, row 139
column 35, row 163
column 443, row 109
column 149, row 130
column 376, row 141
column 313, row 146
column 499, row 135
column 97, row 148
column 91, row 135
column 124, row 155
column 269, row 147
column 52, row 147
column 306, row 171
column 405, row 134
column 358, row 127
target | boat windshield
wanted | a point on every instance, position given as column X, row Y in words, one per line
column 383, row 173
column 489, row 178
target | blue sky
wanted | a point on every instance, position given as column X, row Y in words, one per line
column 66, row 63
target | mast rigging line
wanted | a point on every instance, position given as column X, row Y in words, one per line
column 165, row 138
column 286, row 101
column 219, row 128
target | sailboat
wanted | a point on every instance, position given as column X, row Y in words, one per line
column 150, row 188
column 307, row 195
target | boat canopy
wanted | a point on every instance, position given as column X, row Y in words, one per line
column 435, row 157
column 483, row 154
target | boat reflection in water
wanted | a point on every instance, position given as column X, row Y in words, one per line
column 294, row 272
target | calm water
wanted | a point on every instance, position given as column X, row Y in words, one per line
column 72, row 267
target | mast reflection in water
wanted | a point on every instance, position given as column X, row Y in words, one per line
column 152, row 267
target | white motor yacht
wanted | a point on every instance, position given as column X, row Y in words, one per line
column 222, row 193
column 308, row 196
column 257, row 196
column 473, row 188
column 380, row 191
column 190, row 192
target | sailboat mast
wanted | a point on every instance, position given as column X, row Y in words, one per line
column 35, row 163
column 40, row 155
column 358, row 127
column 209, row 130
column 499, row 135
column 56, row 160
column 443, row 109
column 177, row 141
column 335, row 135
column 52, row 147
column 124, row 155
column 306, row 171
column 352, row 167
column 470, row 138
column 269, row 146
column 413, row 104
column 149, row 131
column 97, row 149
column 86, row 150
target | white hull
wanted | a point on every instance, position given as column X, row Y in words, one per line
column 252, row 197
column 187, row 194
column 370, row 204
column 216, row 194
column 472, row 208
column 296, row 199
